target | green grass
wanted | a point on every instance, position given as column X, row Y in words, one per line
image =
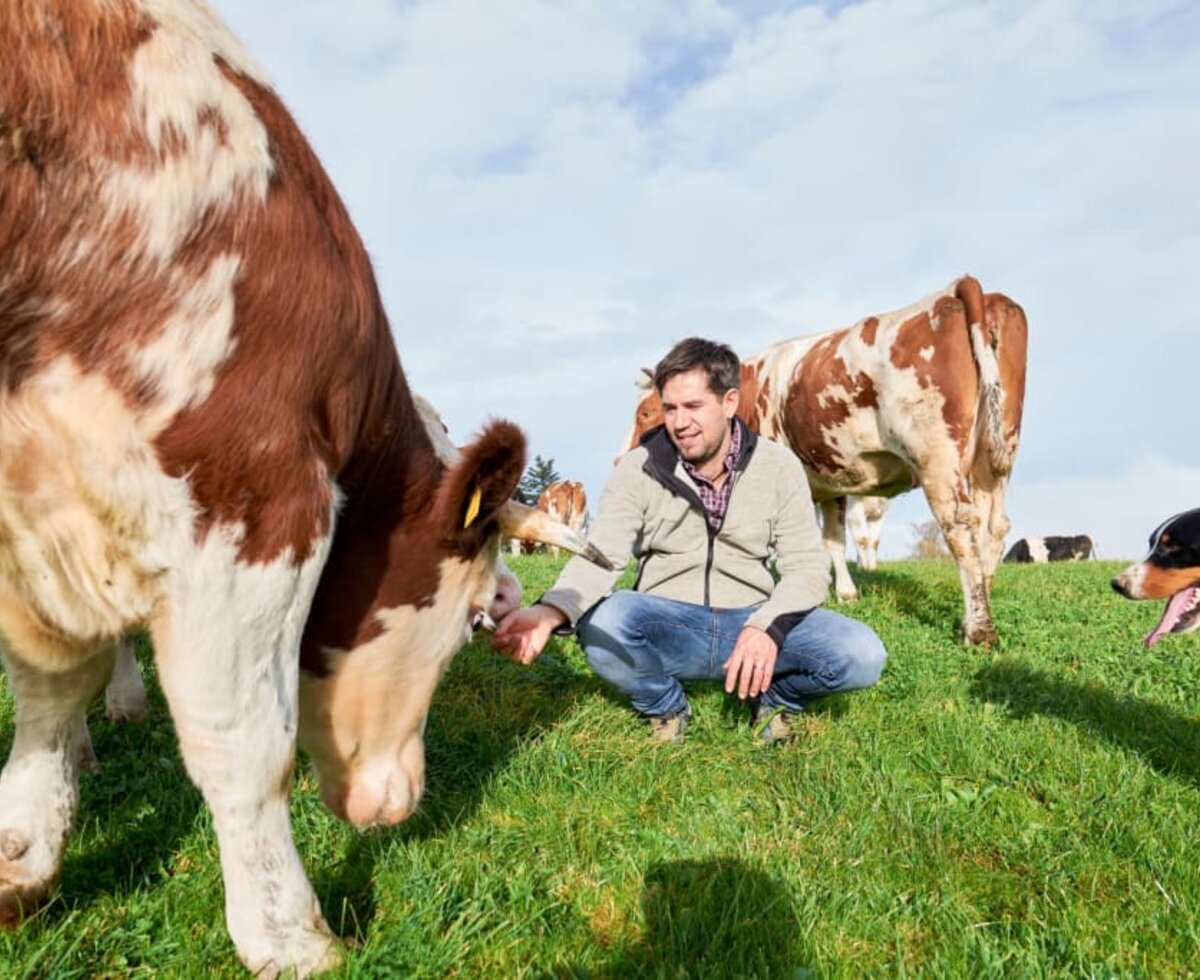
column 1026, row 813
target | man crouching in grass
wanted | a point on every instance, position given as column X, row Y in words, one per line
column 704, row 505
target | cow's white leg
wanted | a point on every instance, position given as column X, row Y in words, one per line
column 227, row 649
column 39, row 789
column 869, row 552
column 833, row 531
column 955, row 512
column 994, row 525
column 125, row 696
column 875, row 509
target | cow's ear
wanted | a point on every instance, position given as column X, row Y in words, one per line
column 485, row 476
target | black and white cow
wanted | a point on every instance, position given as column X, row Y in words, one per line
column 1069, row 547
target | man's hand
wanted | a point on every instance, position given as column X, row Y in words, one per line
column 522, row 634
column 752, row 664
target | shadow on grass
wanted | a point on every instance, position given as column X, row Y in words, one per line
column 484, row 710
column 133, row 813
column 718, row 918
column 940, row 608
column 1168, row 742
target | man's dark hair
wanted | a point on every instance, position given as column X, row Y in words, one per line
column 719, row 362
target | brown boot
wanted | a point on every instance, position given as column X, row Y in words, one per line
column 671, row 726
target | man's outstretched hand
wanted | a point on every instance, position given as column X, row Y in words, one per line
column 523, row 634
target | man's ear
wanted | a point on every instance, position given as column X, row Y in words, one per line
column 477, row 486
column 729, row 402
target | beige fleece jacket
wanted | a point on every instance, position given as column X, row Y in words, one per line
column 650, row 510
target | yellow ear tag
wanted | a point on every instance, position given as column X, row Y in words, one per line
column 473, row 507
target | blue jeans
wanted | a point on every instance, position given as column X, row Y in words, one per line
column 645, row 645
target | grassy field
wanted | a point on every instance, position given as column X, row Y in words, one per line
column 1027, row 813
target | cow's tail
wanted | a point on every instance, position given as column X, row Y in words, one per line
column 985, row 342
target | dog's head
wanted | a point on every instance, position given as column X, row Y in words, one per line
column 1170, row 571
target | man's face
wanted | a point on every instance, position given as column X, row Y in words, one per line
column 697, row 419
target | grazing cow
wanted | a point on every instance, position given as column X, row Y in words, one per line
column 205, row 429
column 928, row 396
column 1071, row 547
column 565, row 501
column 864, row 519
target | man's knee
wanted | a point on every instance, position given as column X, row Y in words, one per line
column 604, row 632
column 609, row 619
column 866, row 656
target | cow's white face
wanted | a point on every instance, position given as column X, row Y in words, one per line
column 363, row 723
column 432, row 581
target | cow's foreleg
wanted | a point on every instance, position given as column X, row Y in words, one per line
column 125, row 696
column 228, row 662
column 833, row 531
column 39, row 789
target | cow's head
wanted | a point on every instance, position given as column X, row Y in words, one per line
column 647, row 415
column 1170, row 571
column 424, row 586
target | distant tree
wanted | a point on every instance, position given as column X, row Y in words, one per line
column 538, row 476
column 928, row 541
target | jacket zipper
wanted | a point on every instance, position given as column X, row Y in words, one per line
column 712, row 537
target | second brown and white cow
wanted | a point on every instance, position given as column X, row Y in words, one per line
column 205, row 429
column 927, row 396
column 566, row 501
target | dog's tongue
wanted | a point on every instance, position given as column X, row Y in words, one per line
column 1178, row 604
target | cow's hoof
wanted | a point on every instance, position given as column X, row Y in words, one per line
column 304, row 953
column 847, row 597
column 983, row 635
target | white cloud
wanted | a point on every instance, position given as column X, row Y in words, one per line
column 555, row 192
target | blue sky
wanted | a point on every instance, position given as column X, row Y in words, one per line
column 553, row 193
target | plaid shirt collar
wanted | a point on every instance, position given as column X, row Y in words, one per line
column 716, row 499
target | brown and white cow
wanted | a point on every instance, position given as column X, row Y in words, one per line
column 205, row 429
column 565, row 501
column 928, row 396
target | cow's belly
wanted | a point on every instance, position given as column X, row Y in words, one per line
column 878, row 473
column 87, row 517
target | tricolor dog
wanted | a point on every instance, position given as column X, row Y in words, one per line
column 1170, row 571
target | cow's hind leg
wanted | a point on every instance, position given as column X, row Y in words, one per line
column 994, row 525
column 833, row 532
column 958, row 518
column 39, row 789
column 227, row 649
